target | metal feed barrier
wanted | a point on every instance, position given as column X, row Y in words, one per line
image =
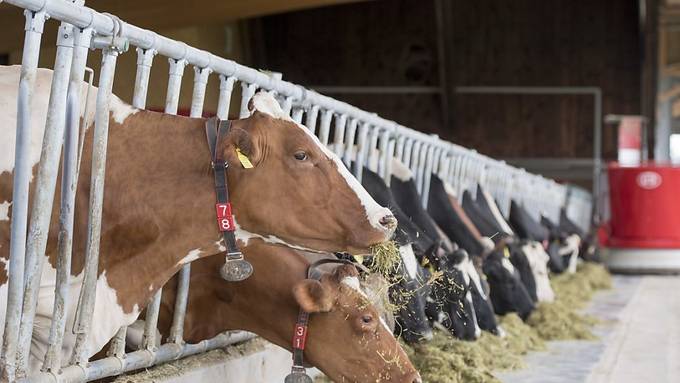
column 355, row 134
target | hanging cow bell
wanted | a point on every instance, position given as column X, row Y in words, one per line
column 236, row 269
column 297, row 377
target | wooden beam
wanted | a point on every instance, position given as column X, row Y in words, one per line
column 163, row 14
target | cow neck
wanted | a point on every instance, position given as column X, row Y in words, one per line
column 298, row 372
column 235, row 267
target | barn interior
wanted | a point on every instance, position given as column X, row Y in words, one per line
column 583, row 93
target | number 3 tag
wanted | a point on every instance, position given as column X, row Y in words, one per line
column 225, row 220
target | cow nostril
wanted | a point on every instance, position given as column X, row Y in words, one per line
column 388, row 222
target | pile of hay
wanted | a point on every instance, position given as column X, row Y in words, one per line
column 448, row 360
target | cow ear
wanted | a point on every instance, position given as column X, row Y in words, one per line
column 239, row 149
column 345, row 271
column 312, row 296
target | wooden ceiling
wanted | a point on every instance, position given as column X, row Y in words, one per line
column 163, row 14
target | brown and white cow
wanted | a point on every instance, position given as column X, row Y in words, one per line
column 346, row 338
column 159, row 201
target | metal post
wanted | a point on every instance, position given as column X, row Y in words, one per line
column 339, row 135
column 388, row 163
column 406, row 155
column 144, row 61
column 20, row 189
column 83, row 322
column 399, row 148
column 310, row 122
column 224, row 101
column 420, row 170
column 324, row 130
column 247, row 92
column 350, row 149
column 429, row 164
column 297, row 115
column 174, row 84
column 69, row 184
column 181, row 299
column 415, row 156
column 361, row 150
column 198, row 96
column 287, row 105
column 372, row 160
column 383, row 142
column 177, row 329
column 44, row 191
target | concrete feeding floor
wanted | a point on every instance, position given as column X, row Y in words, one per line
column 639, row 339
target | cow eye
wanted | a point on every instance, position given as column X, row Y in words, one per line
column 367, row 319
column 300, row 156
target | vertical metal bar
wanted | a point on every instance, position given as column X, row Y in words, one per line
column 429, row 164
column 224, row 101
column 151, row 322
column 324, row 130
column 198, row 95
column 177, row 329
column 44, row 191
column 297, row 115
column 83, row 321
column 414, row 157
column 247, row 92
column 339, row 135
column 287, row 105
column 310, row 122
column 420, row 171
column 388, row 163
column 69, row 183
column 401, row 140
column 350, row 149
column 144, row 62
column 20, row 189
column 408, row 150
column 597, row 155
column 117, row 348
column 372, row 160
column 383, row 142
column 361, row 150
column 174, row 84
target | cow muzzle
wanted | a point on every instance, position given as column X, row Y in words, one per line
column 389, row 224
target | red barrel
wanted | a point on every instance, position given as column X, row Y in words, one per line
column 645, row 206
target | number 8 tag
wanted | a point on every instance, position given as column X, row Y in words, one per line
column 225, row 220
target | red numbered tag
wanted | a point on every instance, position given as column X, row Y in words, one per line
column 225, row 221
column 300, row 337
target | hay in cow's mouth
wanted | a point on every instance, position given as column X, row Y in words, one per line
column 448, row 360
column 385, row 258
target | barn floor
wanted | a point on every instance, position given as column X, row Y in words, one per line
column 639, row 339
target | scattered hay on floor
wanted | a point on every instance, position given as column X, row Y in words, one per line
column 562, row 319
column 448, row 360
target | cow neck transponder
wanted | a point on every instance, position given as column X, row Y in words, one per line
column 235, row 267
column 298, row 373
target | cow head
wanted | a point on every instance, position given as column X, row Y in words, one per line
column 507, row 292
column 451, row 304
column 410, row 294
column 347, row 340
column 298, row 192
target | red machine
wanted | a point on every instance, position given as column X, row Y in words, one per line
column 644, row 230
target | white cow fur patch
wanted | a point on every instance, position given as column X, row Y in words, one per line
column 571, row 248
column 409, row 259
column 401, row 171
column 538, row 262
column 4, row 211
column 190, row 257
column 266, row 103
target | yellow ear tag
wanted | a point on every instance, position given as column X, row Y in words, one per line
column 359, row 259
column 506, row 252
column 243, row 159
